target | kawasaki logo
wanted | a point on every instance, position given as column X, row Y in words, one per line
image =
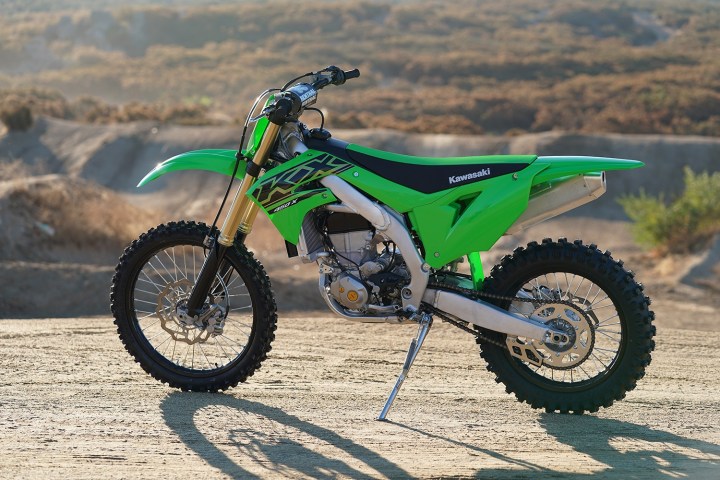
column 461, row 178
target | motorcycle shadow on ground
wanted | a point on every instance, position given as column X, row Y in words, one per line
column 237, row 435
column 274, row 442
column 627, row 451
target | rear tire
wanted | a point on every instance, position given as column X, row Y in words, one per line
column 156, row 273
column 623, row 321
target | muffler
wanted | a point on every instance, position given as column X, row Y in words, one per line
column 489, row 316
column 560, row 196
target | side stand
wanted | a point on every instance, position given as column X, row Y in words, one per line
column 415, row 346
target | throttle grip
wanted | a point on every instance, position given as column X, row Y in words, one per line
column 354, row 73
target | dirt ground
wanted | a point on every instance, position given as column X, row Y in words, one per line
column 74, row 405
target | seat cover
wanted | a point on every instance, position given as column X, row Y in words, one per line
column 424, row 174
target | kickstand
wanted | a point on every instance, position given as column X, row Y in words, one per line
column 415, row 346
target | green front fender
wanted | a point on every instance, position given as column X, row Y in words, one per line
column 211, row 160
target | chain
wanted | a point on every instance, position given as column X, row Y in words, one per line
column 475, row 295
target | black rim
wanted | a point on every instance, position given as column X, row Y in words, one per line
column 165, row 276
column 595, row 298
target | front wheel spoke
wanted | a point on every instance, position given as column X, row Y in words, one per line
column 145, row 301
column 154, row 294
column 231, row 341
column 149, row 314
column 158, row 273
column 149, row 280
column 202, row 350
column 167, row 347
column 240, row 308
column 227, row 344
column 156, row 347
column 157, row 335
column 151, row 325
column 219, row 345
column 238, row 327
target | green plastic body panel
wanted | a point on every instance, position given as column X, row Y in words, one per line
column 476, row 270
column 451, row 223
column 471, row 218
column 287, row 192
column 213, row 160
column 556, row 167
column 403, row 199
column 257, row 135
column 289, row 220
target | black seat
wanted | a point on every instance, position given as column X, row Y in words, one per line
column 424, row 174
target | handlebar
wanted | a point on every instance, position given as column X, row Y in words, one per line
column 291, row 102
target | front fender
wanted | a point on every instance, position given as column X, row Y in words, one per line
column 211, row 160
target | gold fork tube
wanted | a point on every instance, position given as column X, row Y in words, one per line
column 243, row 211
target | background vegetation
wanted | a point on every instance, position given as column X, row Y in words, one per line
column 687, row 223
column 641, row 66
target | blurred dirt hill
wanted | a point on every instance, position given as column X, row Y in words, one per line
column 68, row 205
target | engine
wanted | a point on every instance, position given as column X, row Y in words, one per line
column 365, row 269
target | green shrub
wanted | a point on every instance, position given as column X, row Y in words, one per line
column 686, row 224
column 16, row 116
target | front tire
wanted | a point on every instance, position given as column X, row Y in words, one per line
column 605, row 295
column 155, row 275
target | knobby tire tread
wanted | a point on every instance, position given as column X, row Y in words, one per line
column 632, row 305
column 264, row 311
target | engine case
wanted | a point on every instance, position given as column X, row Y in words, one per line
column 349, row 291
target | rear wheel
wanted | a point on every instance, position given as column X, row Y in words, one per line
column 217, row 350
column 599, row 305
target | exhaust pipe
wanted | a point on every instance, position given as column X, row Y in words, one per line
column 559, row 197
column 489, row 316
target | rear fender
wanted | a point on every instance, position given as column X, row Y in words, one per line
column 211, row 160
column 558, row 167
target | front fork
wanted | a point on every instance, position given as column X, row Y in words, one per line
column 237, row 225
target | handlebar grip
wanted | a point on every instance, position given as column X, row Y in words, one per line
column 354, row 73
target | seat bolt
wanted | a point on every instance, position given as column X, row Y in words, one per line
column 515, row 176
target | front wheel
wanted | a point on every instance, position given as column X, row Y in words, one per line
column 225, row 344
column 603, row 310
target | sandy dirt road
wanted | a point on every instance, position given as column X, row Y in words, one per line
column 73, row 405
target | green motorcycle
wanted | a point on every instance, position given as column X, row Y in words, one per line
column 563, row 325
